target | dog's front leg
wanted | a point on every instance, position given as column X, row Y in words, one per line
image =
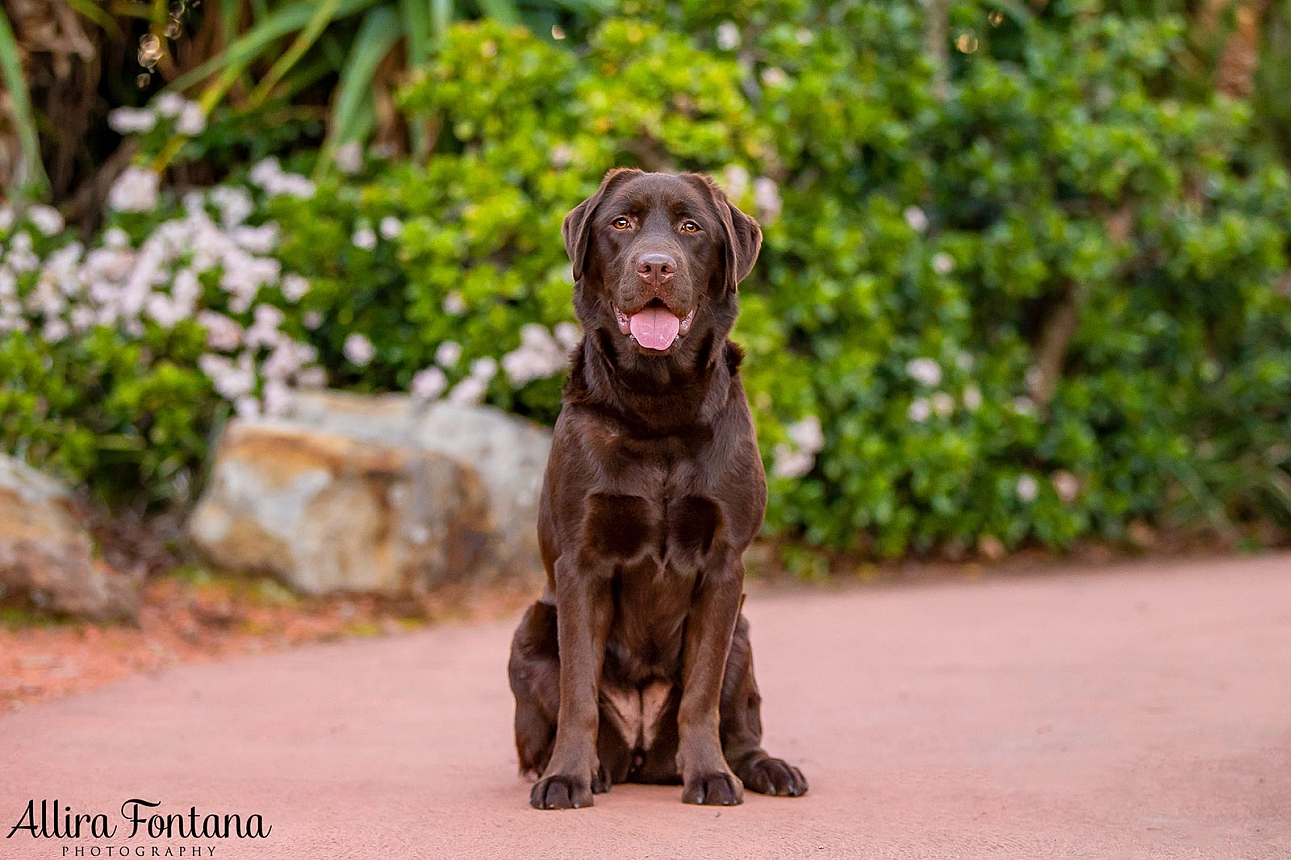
column 583, row 612
column 706, row 777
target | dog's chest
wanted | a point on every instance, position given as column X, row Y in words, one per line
column 677, row 531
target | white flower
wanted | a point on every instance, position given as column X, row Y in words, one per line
column 774, row 76
column 943, row 404
column 447, row 353
column 1028, row 488
column 192, row 120
column 164, row 311
column 264, row 330
column 735, row 181
column 312, row 319
column 1033, row 377
column 943, row 263
column 428, row 384
column 924, row 370
column 390, row 227
column 454, row 304
column 919, row 410
column 264, row 172
column 234, row 204
column 244, row 275
column 7, row 218
column 767, row 197
column 116, row 238
column 728, row 36
column 55, row 330
column 469, row 391
column 349, row 158
column 311, row 377
column 964, row 361
column 21, row 257
column 170, row 105
column 231, row 380
column 287, row 357
column 1023, row 406
column 916, row 219
column 222, row 333
column 248, row 408
column 484, row 368
column 359, row 350
column 257, row 240
column 134, row 191
column 82, row 318
column 277, row 397
column 804, row 36
column 561, row 155
column 807, row 435
column 972, row 398
column 1066, row 485
column 128, row 120
column 790, row 463
column 537, row 357
column 294, row 287
column 269, row 175
column 364, row 238
column 47, row 219
column 568, row 334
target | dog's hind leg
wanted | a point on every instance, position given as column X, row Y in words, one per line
column 534, row 671
column 741, row 726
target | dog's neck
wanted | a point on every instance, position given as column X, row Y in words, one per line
column 660, row 395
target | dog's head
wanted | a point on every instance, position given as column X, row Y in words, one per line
column 658, row 258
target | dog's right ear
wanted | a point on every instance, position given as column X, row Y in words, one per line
column 577, row 227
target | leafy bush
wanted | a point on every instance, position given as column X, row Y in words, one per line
column 1037, row 301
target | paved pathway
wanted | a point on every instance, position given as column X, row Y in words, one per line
column 1138, row 712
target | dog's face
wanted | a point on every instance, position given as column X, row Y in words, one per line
column 658, row 258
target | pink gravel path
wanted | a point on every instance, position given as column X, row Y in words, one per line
column 1140, row 711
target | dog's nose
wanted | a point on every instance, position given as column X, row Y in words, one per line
column 656, row 269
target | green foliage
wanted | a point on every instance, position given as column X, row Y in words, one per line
column 317, row 29
column 923, row 249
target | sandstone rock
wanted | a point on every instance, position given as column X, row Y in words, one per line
column 45, row 554
column 354, row 493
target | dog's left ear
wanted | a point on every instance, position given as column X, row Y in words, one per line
column 577, row 226
column 743, row 239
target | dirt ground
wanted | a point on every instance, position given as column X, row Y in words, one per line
column 195, row 617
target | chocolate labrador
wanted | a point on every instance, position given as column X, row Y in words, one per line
column 635, row 664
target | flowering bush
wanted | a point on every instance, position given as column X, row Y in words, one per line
column 1035, row 302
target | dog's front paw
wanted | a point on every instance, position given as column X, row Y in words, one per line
column 774, row 776
column 561, row 791
column 713, row 789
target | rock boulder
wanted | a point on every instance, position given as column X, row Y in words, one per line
column 45, row 551
column 355, row 493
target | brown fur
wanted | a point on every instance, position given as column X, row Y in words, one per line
column 635, row 665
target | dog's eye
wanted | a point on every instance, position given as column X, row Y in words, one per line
column 689, row 227
column 620, row 223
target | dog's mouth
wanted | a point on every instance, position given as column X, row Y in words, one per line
column 654, row 327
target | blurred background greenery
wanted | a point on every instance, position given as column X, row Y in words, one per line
column 1025, row 278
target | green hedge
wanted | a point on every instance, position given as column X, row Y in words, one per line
column 928, row 243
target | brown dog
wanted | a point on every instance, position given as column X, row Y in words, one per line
column 635, row 664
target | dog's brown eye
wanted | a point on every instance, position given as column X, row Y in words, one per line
column 621, row 223
column 689, row 227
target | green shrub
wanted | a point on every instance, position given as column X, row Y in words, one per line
column 1038, row 305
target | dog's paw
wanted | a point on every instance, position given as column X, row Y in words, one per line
column 561, row 792
column 774, row 776
column 713, row 789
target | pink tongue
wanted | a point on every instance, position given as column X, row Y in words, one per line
column 655, row 327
